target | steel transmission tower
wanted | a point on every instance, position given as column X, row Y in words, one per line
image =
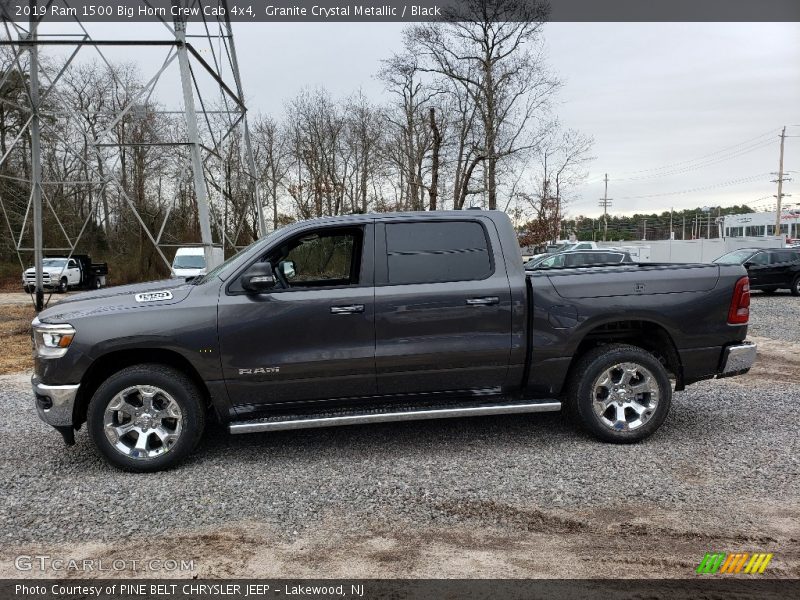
column 202, row 53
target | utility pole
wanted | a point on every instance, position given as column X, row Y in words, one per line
column 671, row 232
column 644, row 230
column 780, row 181
column 36, row 164
column 683, row 231
column 605, row 202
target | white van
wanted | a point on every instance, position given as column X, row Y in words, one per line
column 191, row 262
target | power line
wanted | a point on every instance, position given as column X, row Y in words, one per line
column 700, row 189
column 681, row 164
column 702, row 165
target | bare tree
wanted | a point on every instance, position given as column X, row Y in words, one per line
column 412, row 140
column 364, row 137
column 563, row 160
column 436, row 145
column 272, row 152
column 316, row 127
column 493, row 52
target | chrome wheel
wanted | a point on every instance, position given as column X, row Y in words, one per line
column 625, row 396
column 143, row 422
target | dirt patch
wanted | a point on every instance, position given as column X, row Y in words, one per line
column 777, row 360
column 15, row 325
column 246, row 549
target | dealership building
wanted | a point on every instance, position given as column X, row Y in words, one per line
column 762, row 224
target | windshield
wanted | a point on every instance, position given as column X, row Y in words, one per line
column 535, row 261
column 189, row 261
column 545, row 262
column 54, row 262
column 737, row 257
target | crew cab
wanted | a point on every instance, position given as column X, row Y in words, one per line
column 769, row 269
column 61, row 273
column 384, row 317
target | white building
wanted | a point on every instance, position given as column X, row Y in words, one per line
column 762, row 224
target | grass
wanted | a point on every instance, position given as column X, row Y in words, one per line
column 15, row 325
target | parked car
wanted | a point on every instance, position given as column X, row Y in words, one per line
column 62, row 273
column 383, row 317
column 769, row 269
column 191, row 261
column 578, row 258
column 565, row 246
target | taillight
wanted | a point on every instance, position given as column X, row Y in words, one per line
column 739, row 312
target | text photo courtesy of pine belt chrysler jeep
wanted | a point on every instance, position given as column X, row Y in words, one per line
column 383, row 317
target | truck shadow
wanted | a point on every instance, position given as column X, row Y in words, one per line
column 446, row 435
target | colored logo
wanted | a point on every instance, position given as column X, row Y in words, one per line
column 740, row 562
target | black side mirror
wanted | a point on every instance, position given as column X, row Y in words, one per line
column 747, row 265
column 258, row 278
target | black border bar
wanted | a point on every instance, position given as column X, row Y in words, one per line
column 375, row 11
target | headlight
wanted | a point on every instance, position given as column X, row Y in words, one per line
column 51, row 341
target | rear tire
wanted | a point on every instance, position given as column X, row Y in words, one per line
column 621, row 393
column 796, row 286
column 146, row 418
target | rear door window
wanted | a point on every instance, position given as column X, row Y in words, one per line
column 437, row 252
column 783, row 256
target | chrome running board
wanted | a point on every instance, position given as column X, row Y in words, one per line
column 355, row 417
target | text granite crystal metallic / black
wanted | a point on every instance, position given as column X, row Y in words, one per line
column 385, row 317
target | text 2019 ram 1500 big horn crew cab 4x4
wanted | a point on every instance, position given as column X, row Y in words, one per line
column 368, row 318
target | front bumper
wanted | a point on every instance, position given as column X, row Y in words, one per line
column 737, row 360
column 55, row 403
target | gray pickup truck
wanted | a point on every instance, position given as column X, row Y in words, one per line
column 383, row 317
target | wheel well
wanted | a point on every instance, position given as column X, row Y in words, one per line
column 108, row 364
column 644, row 334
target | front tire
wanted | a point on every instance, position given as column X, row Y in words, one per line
column 621, row 393
column 63, row 286
column 796, row 286
column 145, row 418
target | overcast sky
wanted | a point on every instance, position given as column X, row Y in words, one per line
column 672, row 107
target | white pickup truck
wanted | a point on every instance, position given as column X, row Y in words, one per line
column 62, row 273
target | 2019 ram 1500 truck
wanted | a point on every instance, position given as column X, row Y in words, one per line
column 368, row 318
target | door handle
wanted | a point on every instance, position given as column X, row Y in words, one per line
column 349, row 309
column 486, row 301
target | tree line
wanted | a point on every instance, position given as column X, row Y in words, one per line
column 468, row 118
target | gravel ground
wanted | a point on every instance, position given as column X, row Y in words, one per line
column 775, row 316
column 723, row 470
column 473, row 497
column 428, row 472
